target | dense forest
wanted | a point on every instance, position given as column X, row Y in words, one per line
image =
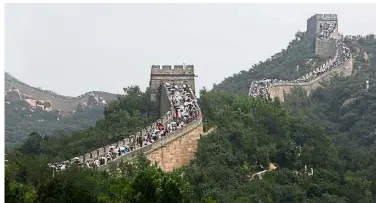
column 250, row 133
column 331, row 131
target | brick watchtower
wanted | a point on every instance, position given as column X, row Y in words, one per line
column 323, row 30
column 177, row 74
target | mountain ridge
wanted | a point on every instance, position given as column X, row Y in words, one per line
column 61, row 102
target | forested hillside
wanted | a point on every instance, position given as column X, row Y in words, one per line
column 251, row 133
column 25, row 113
column 291, row 63
column 346, row 108
column 19, row 122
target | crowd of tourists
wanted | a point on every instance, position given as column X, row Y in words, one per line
column 340, row 58
column 185, row 111
column 260, row 87
column 326, row 30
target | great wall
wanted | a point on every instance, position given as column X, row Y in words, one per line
column 171, row 151
column 323, row 30
column 178, row 147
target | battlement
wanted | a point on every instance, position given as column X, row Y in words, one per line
column 176, row 70
column 328, row 17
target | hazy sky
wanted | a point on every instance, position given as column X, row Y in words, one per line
column 75, row 48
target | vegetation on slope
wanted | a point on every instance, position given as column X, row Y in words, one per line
column 251, row 132
column 347, row 111
column 19, row 122
column 138, row 182
column 282, row 65
column 121, row 118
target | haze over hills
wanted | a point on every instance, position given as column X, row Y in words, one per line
column 316, row 146
column 29, row 109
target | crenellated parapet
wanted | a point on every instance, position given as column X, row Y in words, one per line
column 327, row 17
column 172, row 70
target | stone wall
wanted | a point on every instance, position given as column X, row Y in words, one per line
column 281, row 89
column 171, row 151
column 178, row 150
column 63, row 103
column 325, row 47
column 174, row 143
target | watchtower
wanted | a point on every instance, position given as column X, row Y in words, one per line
column 323, row 30
column 170, row 74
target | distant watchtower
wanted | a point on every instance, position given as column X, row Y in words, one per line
column 323, row 30
column 177, row 74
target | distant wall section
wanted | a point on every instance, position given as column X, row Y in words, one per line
column 281, row 89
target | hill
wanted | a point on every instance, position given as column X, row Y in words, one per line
column 346, row 110
column 20, row 122
column 297, row 59
column 16, row 90
column 31, row 109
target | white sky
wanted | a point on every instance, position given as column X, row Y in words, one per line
column 75, row 48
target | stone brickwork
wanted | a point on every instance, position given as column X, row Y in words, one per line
column 174, row 142
column 177, row 151
column 325, row 47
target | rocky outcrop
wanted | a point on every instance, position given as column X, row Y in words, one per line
column 91, row 102
column 13, row 95
column 348, row 101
